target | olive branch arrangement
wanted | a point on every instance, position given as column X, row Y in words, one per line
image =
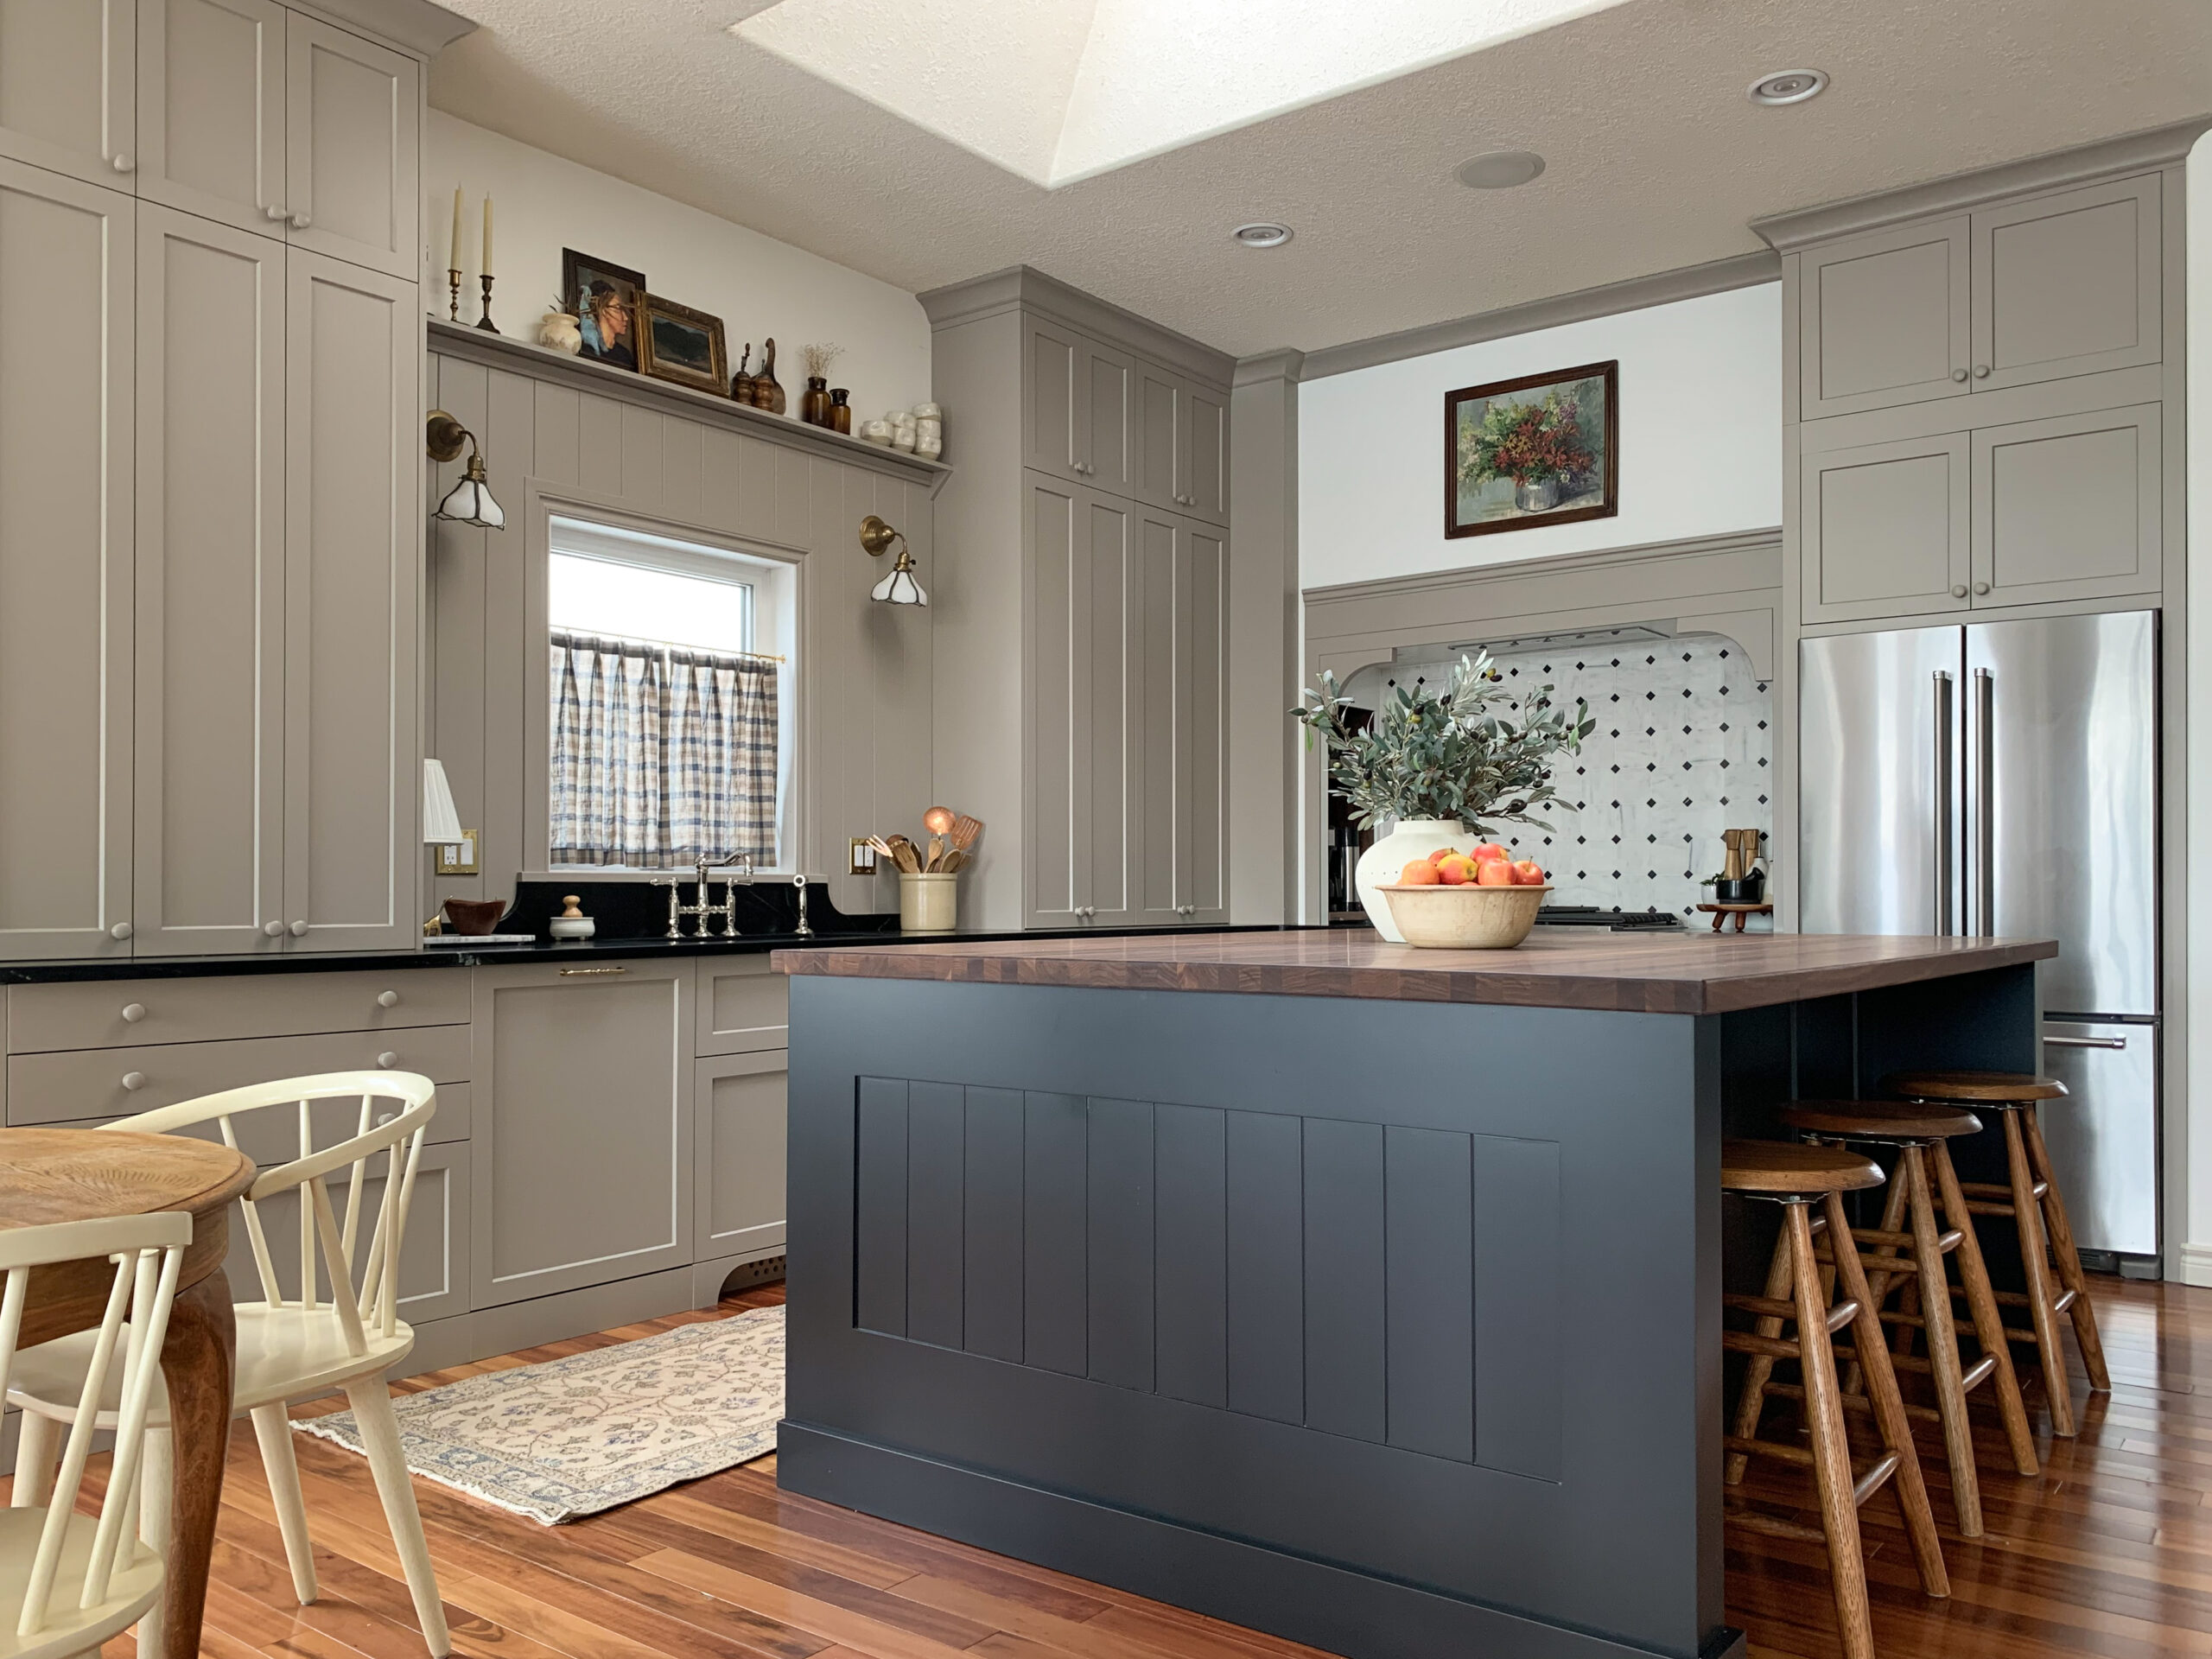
column 1472, row 751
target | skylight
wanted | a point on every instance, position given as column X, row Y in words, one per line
column 1055, row 90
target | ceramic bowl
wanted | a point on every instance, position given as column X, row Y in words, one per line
column 1466, row 918
column 571, row 927
column 474, row 918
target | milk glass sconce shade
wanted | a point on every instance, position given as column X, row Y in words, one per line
column 441, row 820
column 899, row 587
column 468, row 502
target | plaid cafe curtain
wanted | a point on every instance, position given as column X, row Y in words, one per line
column 660, row 756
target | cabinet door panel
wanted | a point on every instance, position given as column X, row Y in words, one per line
column 582, row 1112
column 740, row 1203
column 352, row 120
column 2069, row 508
column 1883, row 319
column 66, row 70
column 1106, row 381
column 1883, row 529
column 1160, row 402
column 1204, row 477
column 1202, row 665
column 209, row 852
column 212, row 83
column 1059, row 835
column 351, row 513
column 1053, row 443
column 744, row 1006
column 1108, row 546
column 2067, row 284
column 433, row 1256
column 1159, row 692
column 66, row 430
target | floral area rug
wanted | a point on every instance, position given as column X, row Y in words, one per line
column 574, row 1436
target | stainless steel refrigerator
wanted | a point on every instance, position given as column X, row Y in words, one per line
column 2002, row 778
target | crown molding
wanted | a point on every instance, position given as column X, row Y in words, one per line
column 1756, row 542
column 1024, row 287
column 1584, row 305
column 2082, row 164
column 421, row 25
column 1270, row 366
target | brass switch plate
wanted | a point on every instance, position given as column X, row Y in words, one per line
column 861, row 860
column 458, row 858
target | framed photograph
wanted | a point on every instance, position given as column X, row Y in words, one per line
column 1543, row 449
column 604, row 297
column 679, row 344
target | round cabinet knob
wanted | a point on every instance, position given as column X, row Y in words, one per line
column 299, row 930
column 274, row 930
column 1959, row 375
column 133, row 1080
column 1958, row 590
column 120, row 930
column 273, row 212
column 299, row 221
column 387, row 999
column 1982, row 587
column 134, row 1012
column 386, row 1060
column 1981, row 371
column 123, row 163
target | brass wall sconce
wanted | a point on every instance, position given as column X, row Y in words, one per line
column 899, row 587
column 468, row 502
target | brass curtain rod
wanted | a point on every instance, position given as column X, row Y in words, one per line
column 676, row 645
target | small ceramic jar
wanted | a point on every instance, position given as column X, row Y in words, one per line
column 902, row 435
column 928, row 412
column 558, row 330
column 876, row 432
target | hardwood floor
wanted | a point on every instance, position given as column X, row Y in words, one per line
column 2107, row 1552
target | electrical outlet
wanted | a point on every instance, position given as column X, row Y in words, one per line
column 458, row 858
column 863, row 859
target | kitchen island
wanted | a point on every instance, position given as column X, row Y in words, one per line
column 1365, row 1296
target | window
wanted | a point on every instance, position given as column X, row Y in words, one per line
column 668, row 727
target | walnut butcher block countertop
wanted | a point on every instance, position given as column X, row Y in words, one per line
column 1686, row 973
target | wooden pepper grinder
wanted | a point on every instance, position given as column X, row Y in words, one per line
column 741, row 382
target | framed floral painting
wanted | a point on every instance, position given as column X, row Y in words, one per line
column 1542, row 449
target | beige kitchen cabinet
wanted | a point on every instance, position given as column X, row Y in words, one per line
column 740, row 1099
column 1180, row 649
column 1883, row 529
column 584, row 1128
column 1883, row 319
column 66, row 383
column 209, row 841
column 1080, row 409
column 66, row 73
column 745, row 1006
column 2068, row 283
column 2069, row 507
column 211, row 96
column 351, row 563
column 1183, row 448
column 1082, row 585
column 353, row 121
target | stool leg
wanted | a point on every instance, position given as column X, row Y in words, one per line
column 2035, row 1256
column 2069, row 1258
column 1943, row 1343
column 1830, row 1450
column 1888, row 1415
column 1988, row 1319
column 1879, row 1279
column 1759, row 1367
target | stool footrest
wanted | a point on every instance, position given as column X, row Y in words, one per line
column 1977, row 1373
column 1987, row 1207
column 1856, row 1402
column 1772, row 1308
column 1992, row 1190
column 1871, row 1482
column 1775, row 1526
column 1945, row 1242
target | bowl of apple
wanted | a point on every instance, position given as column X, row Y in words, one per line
column 1482, row 899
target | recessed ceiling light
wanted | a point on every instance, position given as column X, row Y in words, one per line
column 1788, row 86
column 1500, row 169
column 1261, row 236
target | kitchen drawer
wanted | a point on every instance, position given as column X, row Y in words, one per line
column 744, row 1006
column 92, row 1015
column 89, row 1082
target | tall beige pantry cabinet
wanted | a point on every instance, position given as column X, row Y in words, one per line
column 1080, row 598
column 207, row 711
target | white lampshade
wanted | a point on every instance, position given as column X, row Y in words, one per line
column 899, row 587
column 470, row 502
column 441, row 821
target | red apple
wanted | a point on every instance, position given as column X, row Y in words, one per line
column 1455, row 871
column 1419, row 874
column 1528, row 874
column 1490, row 849
column 1494, row 873
column 1440, row 855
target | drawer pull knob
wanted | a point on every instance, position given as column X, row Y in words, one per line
column 120, row 930
column 299, row 930
column 578, row 973
column 386, row 1060
column 387, row 999
column 133, row 1080
column 1959, row 375
column 1981, row 371
column 122, row 162
column 134, row 1012
column 274, row 930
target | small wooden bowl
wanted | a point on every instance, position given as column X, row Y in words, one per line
column 1466, row 918
column 473, row 919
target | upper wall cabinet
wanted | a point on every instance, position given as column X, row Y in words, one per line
column 1081, row 410
column 210, row 83
column 351, row 120
column 1183, row 449
column 2060, row 284
column 66, row 73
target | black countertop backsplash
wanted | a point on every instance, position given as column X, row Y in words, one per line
column 632, row 918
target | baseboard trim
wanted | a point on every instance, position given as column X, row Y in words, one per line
column 2192, row 1264
column 1327, row 1607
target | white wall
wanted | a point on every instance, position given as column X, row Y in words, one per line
column 758, row 286
column 1700, row 439
column 2195, row 1254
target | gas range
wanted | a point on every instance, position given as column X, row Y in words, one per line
column 1613, row 921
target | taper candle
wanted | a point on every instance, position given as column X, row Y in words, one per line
column 486, row 267
column 453, row 248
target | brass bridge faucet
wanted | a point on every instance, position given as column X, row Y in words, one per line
column 704, row 910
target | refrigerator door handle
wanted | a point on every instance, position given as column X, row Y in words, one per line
column 1984, row 805
column 2085, row 1042
column 1942, row 804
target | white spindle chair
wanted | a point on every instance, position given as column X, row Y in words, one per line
column 350, row 1337
column 69, row 1581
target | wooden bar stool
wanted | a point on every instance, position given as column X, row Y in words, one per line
column 2037, row 1209
column 1798, row 1177
column 1908, row 1255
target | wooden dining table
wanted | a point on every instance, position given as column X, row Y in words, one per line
column 50, row 1175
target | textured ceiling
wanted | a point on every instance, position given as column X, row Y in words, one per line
column 1656, row 159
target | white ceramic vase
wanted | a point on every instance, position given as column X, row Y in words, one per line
column 1410, row 839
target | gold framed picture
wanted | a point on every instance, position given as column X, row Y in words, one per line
column 683, row 346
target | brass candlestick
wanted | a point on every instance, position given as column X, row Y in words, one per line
column 485, row 321
column 452, row 306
